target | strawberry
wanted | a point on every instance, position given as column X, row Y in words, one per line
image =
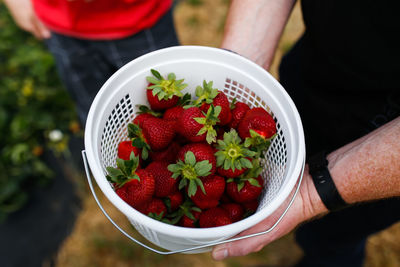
column 233, row 159
column 139, row 119
column 258, row 120
column 201, row 151
column 155, row 209
column 164, row 183
column 212, row 191
column 144, row 113
column 173, row 201
column 250, row 207
column 172, row 115
column 208, row 95
column 138, row 139
column 125, row 149
column 135, row 187
column 238, row 110
column 235, row 211
column 190, row 170
column 214, row 217
column 190, row 219
column 163, row 93
column 247, row 187
column 257, row 128
column 158, row 133
column 197, row 126
column 166, row 155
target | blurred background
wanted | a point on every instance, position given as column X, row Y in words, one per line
column 46, row 211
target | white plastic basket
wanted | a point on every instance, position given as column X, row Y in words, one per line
column 115, row 106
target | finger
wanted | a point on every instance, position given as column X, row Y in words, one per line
column 39, row 30
column 239, row 248
column 43, row 30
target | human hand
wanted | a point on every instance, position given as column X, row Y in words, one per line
column 25, row 17
column 306, row 205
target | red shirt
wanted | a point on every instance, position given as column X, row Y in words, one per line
column 100, row 19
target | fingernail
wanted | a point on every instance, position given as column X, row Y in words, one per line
column 220, row 254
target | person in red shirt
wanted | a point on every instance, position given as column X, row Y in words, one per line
column 91, row 39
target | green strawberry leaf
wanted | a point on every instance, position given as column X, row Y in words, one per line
column 190, row 158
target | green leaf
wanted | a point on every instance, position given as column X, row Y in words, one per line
column 192, row 189
column 240, row 186
column 151, row 80
column 182, row 184
column 200, row 184
column 114, row 172
column 246, row 163
column 254, row 182
column 171, row 76
column 201, row 120
column 156, row 74
column 190, row 158
column 211, row 136
column 203, row 168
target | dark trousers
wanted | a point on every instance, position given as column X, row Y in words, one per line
column 332, row 118
column 84, row 65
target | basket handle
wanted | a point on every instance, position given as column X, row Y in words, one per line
column 89, row 178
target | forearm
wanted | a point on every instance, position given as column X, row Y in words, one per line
column 369, row 168
column 254, row 27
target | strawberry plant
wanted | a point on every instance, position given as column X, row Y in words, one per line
column 36, row 115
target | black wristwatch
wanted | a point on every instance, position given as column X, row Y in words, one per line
column 326, row 188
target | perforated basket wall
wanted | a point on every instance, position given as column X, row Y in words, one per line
column 115, row 107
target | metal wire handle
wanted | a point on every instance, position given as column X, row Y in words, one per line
column 192, row 248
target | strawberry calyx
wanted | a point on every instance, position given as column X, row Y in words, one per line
column 233, row 103
column 232, row 154
column 190, row 170
column 186, row 209
column 205, row 94
column 209, row 121
column 138, row 139
column 165, row 88
column 143, row 109
column 258, row 142
column 125, row 171
column 249, row 176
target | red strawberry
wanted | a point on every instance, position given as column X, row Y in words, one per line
column 190, row 221
column 235, row 211
column 165, row 185
column 163, row 93
column 214, row 217
column 139, row 119
column 167, row 155
column 135, row 187
column 258, row 120
column 125, row 148
column 233, row 158
column 208, row 95
column 143, row 114
column 210, row 193
column 174, row 200
column 201, row 151
column 238, row 111
column 191, row 172
column 246, row 190
column 155, row 209
column 197, row 126
column 172, row 115
column 158, row 133
column 251, row 207
column 186, row 215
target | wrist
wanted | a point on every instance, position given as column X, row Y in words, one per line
column 312, row 203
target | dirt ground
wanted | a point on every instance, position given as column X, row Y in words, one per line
column 95, row 242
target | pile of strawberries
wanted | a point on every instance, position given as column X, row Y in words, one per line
column 192, row 162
